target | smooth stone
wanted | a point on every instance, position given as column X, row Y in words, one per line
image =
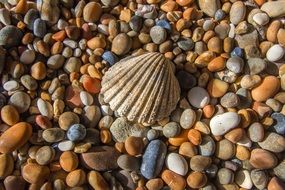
column 125, row 179
column 121, row 44
column 154, row 184
column 72, row 64
column 245, row 99
column 262, row 159
column 65, row 145
column 152, row 134
column 2, row 59
column 110, row 3
column 273, row 142
column 72, row 97
column 267, row 89
column 21, row 101
column 10, row 36
column 219, row 15
column 15, row 137
column 14, row 182
column 35, row 173
column 261, row 18
column 275, row 52
column 170, row 130
column 230, row 100
column 92, row 136
column 196, row 180
column 121, row 130
column 6, row 165
column 76, row 178
column 86, row 98
column 243, row 179
column 68, row 161
column 209, row 7
column 247, row 39
column 100, row 158
column 91, row 116
column 250, row 81
column 92, row 12
column 279, row 125
column 176, row 163
column 256, row 65
column 237, row 12
column 30, row 18
column 221, row 124
column 67, row 119
column 128, row 163
column 28, row 56
column 186, row 80
column 10, row 115
column 136, row 23
column 185, row 44
column 164, row 24
column 45, row 155
column 55, row 61
column 187, row 119
column 235, row 64
column 5, row 17
column 40, row 28
column 134, row 145
column 259, row 178
column 76, row 132
column 279, row 170
column 45, row 108
column 207, row 146
column 29, row 82
column 53, row 135
column 276, row 184
column 97, row 181
column 225, row 176
column 153, row 159
column 200, row 163
column 110, row 57
column 274, row 8
column 158, row 34
column 225, row 149
column 173, row 180
column 256, row 132
column 198, row 97
column 217, row 88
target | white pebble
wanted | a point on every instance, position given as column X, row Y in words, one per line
column 176, row 163
column 198, row 97
column 106, row 110
column 245, row 141
column 261, row 18
column 45, row 108
column 243, row 179
column 11, row 85
column 66, row 145
column 220, row 124
column 86, row 98
column 275, row 53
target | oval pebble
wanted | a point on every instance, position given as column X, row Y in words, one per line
column 220, row 124
column 275, row 53
column 198, row 97
column 176, row 163
column 86, row 98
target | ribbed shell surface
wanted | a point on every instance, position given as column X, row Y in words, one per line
column 142, row 88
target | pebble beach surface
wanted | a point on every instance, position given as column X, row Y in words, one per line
column 226, row 132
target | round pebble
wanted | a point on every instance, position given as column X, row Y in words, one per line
column 158, row 34
column 198, row 97
column 176, row 163
column 76, row 132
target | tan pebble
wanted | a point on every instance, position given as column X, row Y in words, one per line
column 250, row 81
column 242, row 153
column 261, row 109
column 76, row 178
column 217, row 88
column 208, row 111
column 6, row 165
column 187, row 149
column 121, row 44
column 43, row 48
column 82, row 147
column 92, row 12
column 10, row 115
column 181, row 138
column 96, row 42
column 38, row 71
column 105, row 136
column 281, row 36
column 272, row 30
column 202, row 127
column 28, row 38
column 68, row 161
column 194, row 136
column 45, row 155
column 182, row 24
column 168, row 6
column 67, row 119
column 237, row 12
column 154, row 184
column 235, row 135
column 184, row 2
column 267, row 122
column 215, row 45
column 217, row 64
column 204, row 59
column 191, row 13
column 134, row 145
column 267, row 89
column 262, row 159
column 21, row 7
column 228, row 44
column 56, row 48
column 15, row 137
column 96, row 180
column 225, row 149
column 196, row 180
column 173, row 180
column 208, row 35
column 276, row 184
column 35, row 173
column 245, row 116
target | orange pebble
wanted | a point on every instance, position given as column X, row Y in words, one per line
column 181, row 138
column 91, row 85
column 208, row 111
column 194, row 136
column 59, row 36
column 173, row 180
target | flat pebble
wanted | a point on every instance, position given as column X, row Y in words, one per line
column 222, row 123
column 173, row 180
column 198, row 97
column 230, row 100
column 53, row 135
column 5, row 17
column 45, row 155
column 256, row 65
column 76, row 132
column 259, row 178
column 176, row 163
column 225, row 176
column 262, row 159
column 171, row 129
column 45, row 108
column 92, row 12
column 39, row 28
column 225, row 149
column 200, row 163
column 209, row 7
column 35, row 173
column 153, row 159
column 237, row 12
column 261, row 18
column 11, row 85
column 55, row 61
column 86, row 98
column 188, row 118
column 273, row 142
column 10, row 36
column 256, row 132
column 65, row 145
column 68, row 161
column 275, row 53
column 28, row 56
column 134, row 145
column 158, row 34
column 207, row 147
column 121, row 44
column 21, row 101
column 279, row 126
column 235, row 64
column 67, row 119
column 10, row 115
column 110, row 57
column 29, row 82
column 129, row 163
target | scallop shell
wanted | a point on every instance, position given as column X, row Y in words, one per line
column 141, row 88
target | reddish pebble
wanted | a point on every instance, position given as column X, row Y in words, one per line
column 72, row 97
column 91, row 85
column 43, row 122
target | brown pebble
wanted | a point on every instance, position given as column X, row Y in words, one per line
column 76, row 178
column 6, row 165
column 154, row 184
column 217, row 88
column 196, row 180
column 262, row 159
column 173, row 180
column 134, row 145
column 96, row 180
column 35, row 173
column 92, row 12
column 10, row 115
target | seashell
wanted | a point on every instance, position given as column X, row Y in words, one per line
column 141, row 88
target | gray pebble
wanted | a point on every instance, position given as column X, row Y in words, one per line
column 53, row 135
column 256, row 132
column 76, row 132
column 10, row 36
column 186, row 44
column 279, row 170
column 5, row 17
column 230, row 100
column 158, row 34
column 259, row 178
column 129, row 163
column 279, row 124
column 273, row 142
column 55, row 61
column 136, row 23
column 235, row 64
column 171, row 129
column 40, row 28
column 29, row 82
column 207, row 147
column 30, row 18
column 152, row 134
column 73, row 64
column 225, row 176
column 256, row 65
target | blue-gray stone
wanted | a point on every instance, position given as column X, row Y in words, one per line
column 76, row 132
column 237, row 51
column 10, row 36
column 40, row 28
column 30, row 18
column 164, row 24
column 110, row 57
column 207, row 147
column 220, row 14
column 136, row 23
column 279, row 125
column 153, row 159
column 186, row 80
column 185, row 44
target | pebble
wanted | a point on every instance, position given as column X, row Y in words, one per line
column 153, row 159
column 97, row 181
column 256, row 65
column 5, row 17
column 262, row 159
column 187, row 119
column 259, row 178
column 92, row 12
column 173, row 180
column 198, row 97
column 86, row 98
column 129, row 163
column 68, row 161
column 225, row 176
column 55, row 61
column 67, row 119
column 6, row 166
column 261, row 18
column 121, row 44
column 39, row 28
column 200, row 163
column 235, row 64
column 76, row 178
column 207, row 146
column 169, row 130
column 209, row 7
column 279, row 126
column 35, row 173
column 134, row 145
column 100, row 158
column 66, row 145
column 196, row 180
column 45, row 155
column 10, row 36
column 28, row 56
column 274, row 8
column 186, row 80
column 242, row 178
column 14, row 182
column 154, row 184
column 273, row 142
column 10, row 115
column 237, row 12
column 225, row 149
column 110, row 57
column 15, row 137
column 158, row 34
column 185, row 44
column 217, row 88
column 45, row 108
column 76, row 132
column 221, row 124
column 53, row 135
column 11, row 85
column 256, row 132
column 275, row 184
column 267, row 89
column 21, row 101
column 275, row 53
column 176, row 163
column 230, row 100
